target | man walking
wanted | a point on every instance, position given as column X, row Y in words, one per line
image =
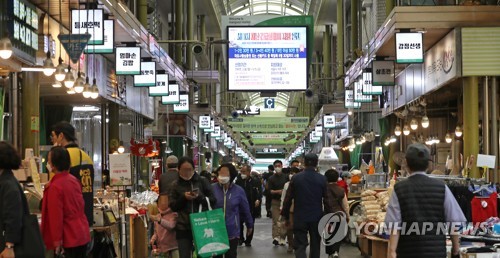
column 265, row 177
column 421, row 201
column 275, row 184
column 171, row 174
column 251, row 187
column 308, row 191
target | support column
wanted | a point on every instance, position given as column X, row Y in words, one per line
column 190, row 36
column 30, row 97
column 179, row 29
column 354, row 28
column 340, row 44
column 203, row 38
column 494, row 124
column 471, row 115
column 114, row 126
column 142, row 12
column 486, row 117
column 327, row 58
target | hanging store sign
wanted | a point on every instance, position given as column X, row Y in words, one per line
column 268, row 124
column 173, row 95
column 383, row 73
column 147, row 78
column 216, row 133
column 349, row 100
column 319, row 131
column 23, row 26
column 109, row 39
column 409, row 47
column 212, row 127
column 128, row 61
column 442, row 62
column 74, row 44
column 368, row 88
column 161, row 88
column 358, row 93
column 89, row 22
column 204, row 122
column 183, row 105
column 329, row 122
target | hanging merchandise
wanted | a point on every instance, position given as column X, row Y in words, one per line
column 144, row 149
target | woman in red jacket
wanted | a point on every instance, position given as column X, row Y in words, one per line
column 64, row 225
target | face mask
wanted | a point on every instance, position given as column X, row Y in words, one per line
column 243, row 176
column 290, row 176
column 278, row 170
column 223, row 179
column 187, row 178
column 49, row 167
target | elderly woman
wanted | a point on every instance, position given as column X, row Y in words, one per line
column 11, row 206
column 233, row 200
column 64, row 224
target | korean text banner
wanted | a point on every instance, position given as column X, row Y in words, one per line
column 147, row 76
column 183, row 105
column 173, row 95
column 109, row 40
column 161, row 88
column 267, row 58
column 269, row 124
column 409, row 48
column 128, row 61
column 88, row 22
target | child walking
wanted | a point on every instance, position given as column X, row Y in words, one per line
column 163, row 240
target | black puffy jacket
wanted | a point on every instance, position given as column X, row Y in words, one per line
column 182, row 206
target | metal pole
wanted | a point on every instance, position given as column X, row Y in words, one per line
column 494, row 124
column 14, row 95
column 104, row 144
column 340, row 43
column 486, row 117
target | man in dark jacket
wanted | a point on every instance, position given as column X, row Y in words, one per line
column 308, row 190
column 170, row 176
column 251, row 187
column 275, row 186
column 421, row 203
column 267, row 194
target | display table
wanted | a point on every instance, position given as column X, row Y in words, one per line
column 373, row 246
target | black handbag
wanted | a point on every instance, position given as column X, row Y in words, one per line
column 31, row 245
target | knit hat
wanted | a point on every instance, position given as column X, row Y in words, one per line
column 172, row 159
column 418, row 151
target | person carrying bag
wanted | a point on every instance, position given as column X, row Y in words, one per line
column 209, row 232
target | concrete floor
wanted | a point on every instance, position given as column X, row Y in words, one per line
column 262, row 245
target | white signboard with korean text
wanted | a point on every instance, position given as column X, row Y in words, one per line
column 358, row 93
column 368, row 88
column 173, row 95
column 442, row 62
column 109, row 40
column 216, row 133
column 204, row 122
column 349, row 100
column 319, row 131
column 329, row 122
column 120, row 169
column 85, row 21
column 161, row 88
column 383, row 73
column 409, row 48
column 183, row 105
column 147, row 77
column 212, row 127
column 128, row 61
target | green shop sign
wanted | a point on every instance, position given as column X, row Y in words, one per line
column 269, row 124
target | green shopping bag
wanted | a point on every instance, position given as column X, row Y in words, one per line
column 209, row 232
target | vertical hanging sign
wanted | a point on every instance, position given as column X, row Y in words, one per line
column 349, row 100
column 368, row 88
column 329, row 122
column 409, row 47
column 173, row 95
column 128, row 61
column 358, row 93
column 161, row 88
column 204, row 122
column 147, row 78
column 183, row 105
column 109, row 40
column 89, row 22
column 383, row 73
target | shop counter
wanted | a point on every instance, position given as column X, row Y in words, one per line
column 373, row 246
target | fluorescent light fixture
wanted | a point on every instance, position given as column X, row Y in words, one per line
column 109, row 2
column 85, row 109
column 123, row 8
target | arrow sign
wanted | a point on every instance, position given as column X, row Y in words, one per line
column 74, row 44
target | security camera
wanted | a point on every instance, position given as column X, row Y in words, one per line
column 251, row 142
column 200, row 55
column 235, row 114
column 309, row 93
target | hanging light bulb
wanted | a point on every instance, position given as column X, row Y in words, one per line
column 358, row 141
column 87, row 90
column 121, row 149
column 69, row 80
column 363, row 139
column 393, row 139
column 70, row 91
column 425, row 121
column 60, row 73
column 436, row 140
column 95, row 90
column 458, row 131
column 56, row 84
column 386, row 143
column 448, row 138
column 48, row 66
column 5, row 48
column 406, row 130
column 429, row 141
column 349, row 111
column 397, row 130
column 414, row 124
column 79, row 84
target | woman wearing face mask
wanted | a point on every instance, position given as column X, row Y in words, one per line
column 188, row 192
column 233, row 200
